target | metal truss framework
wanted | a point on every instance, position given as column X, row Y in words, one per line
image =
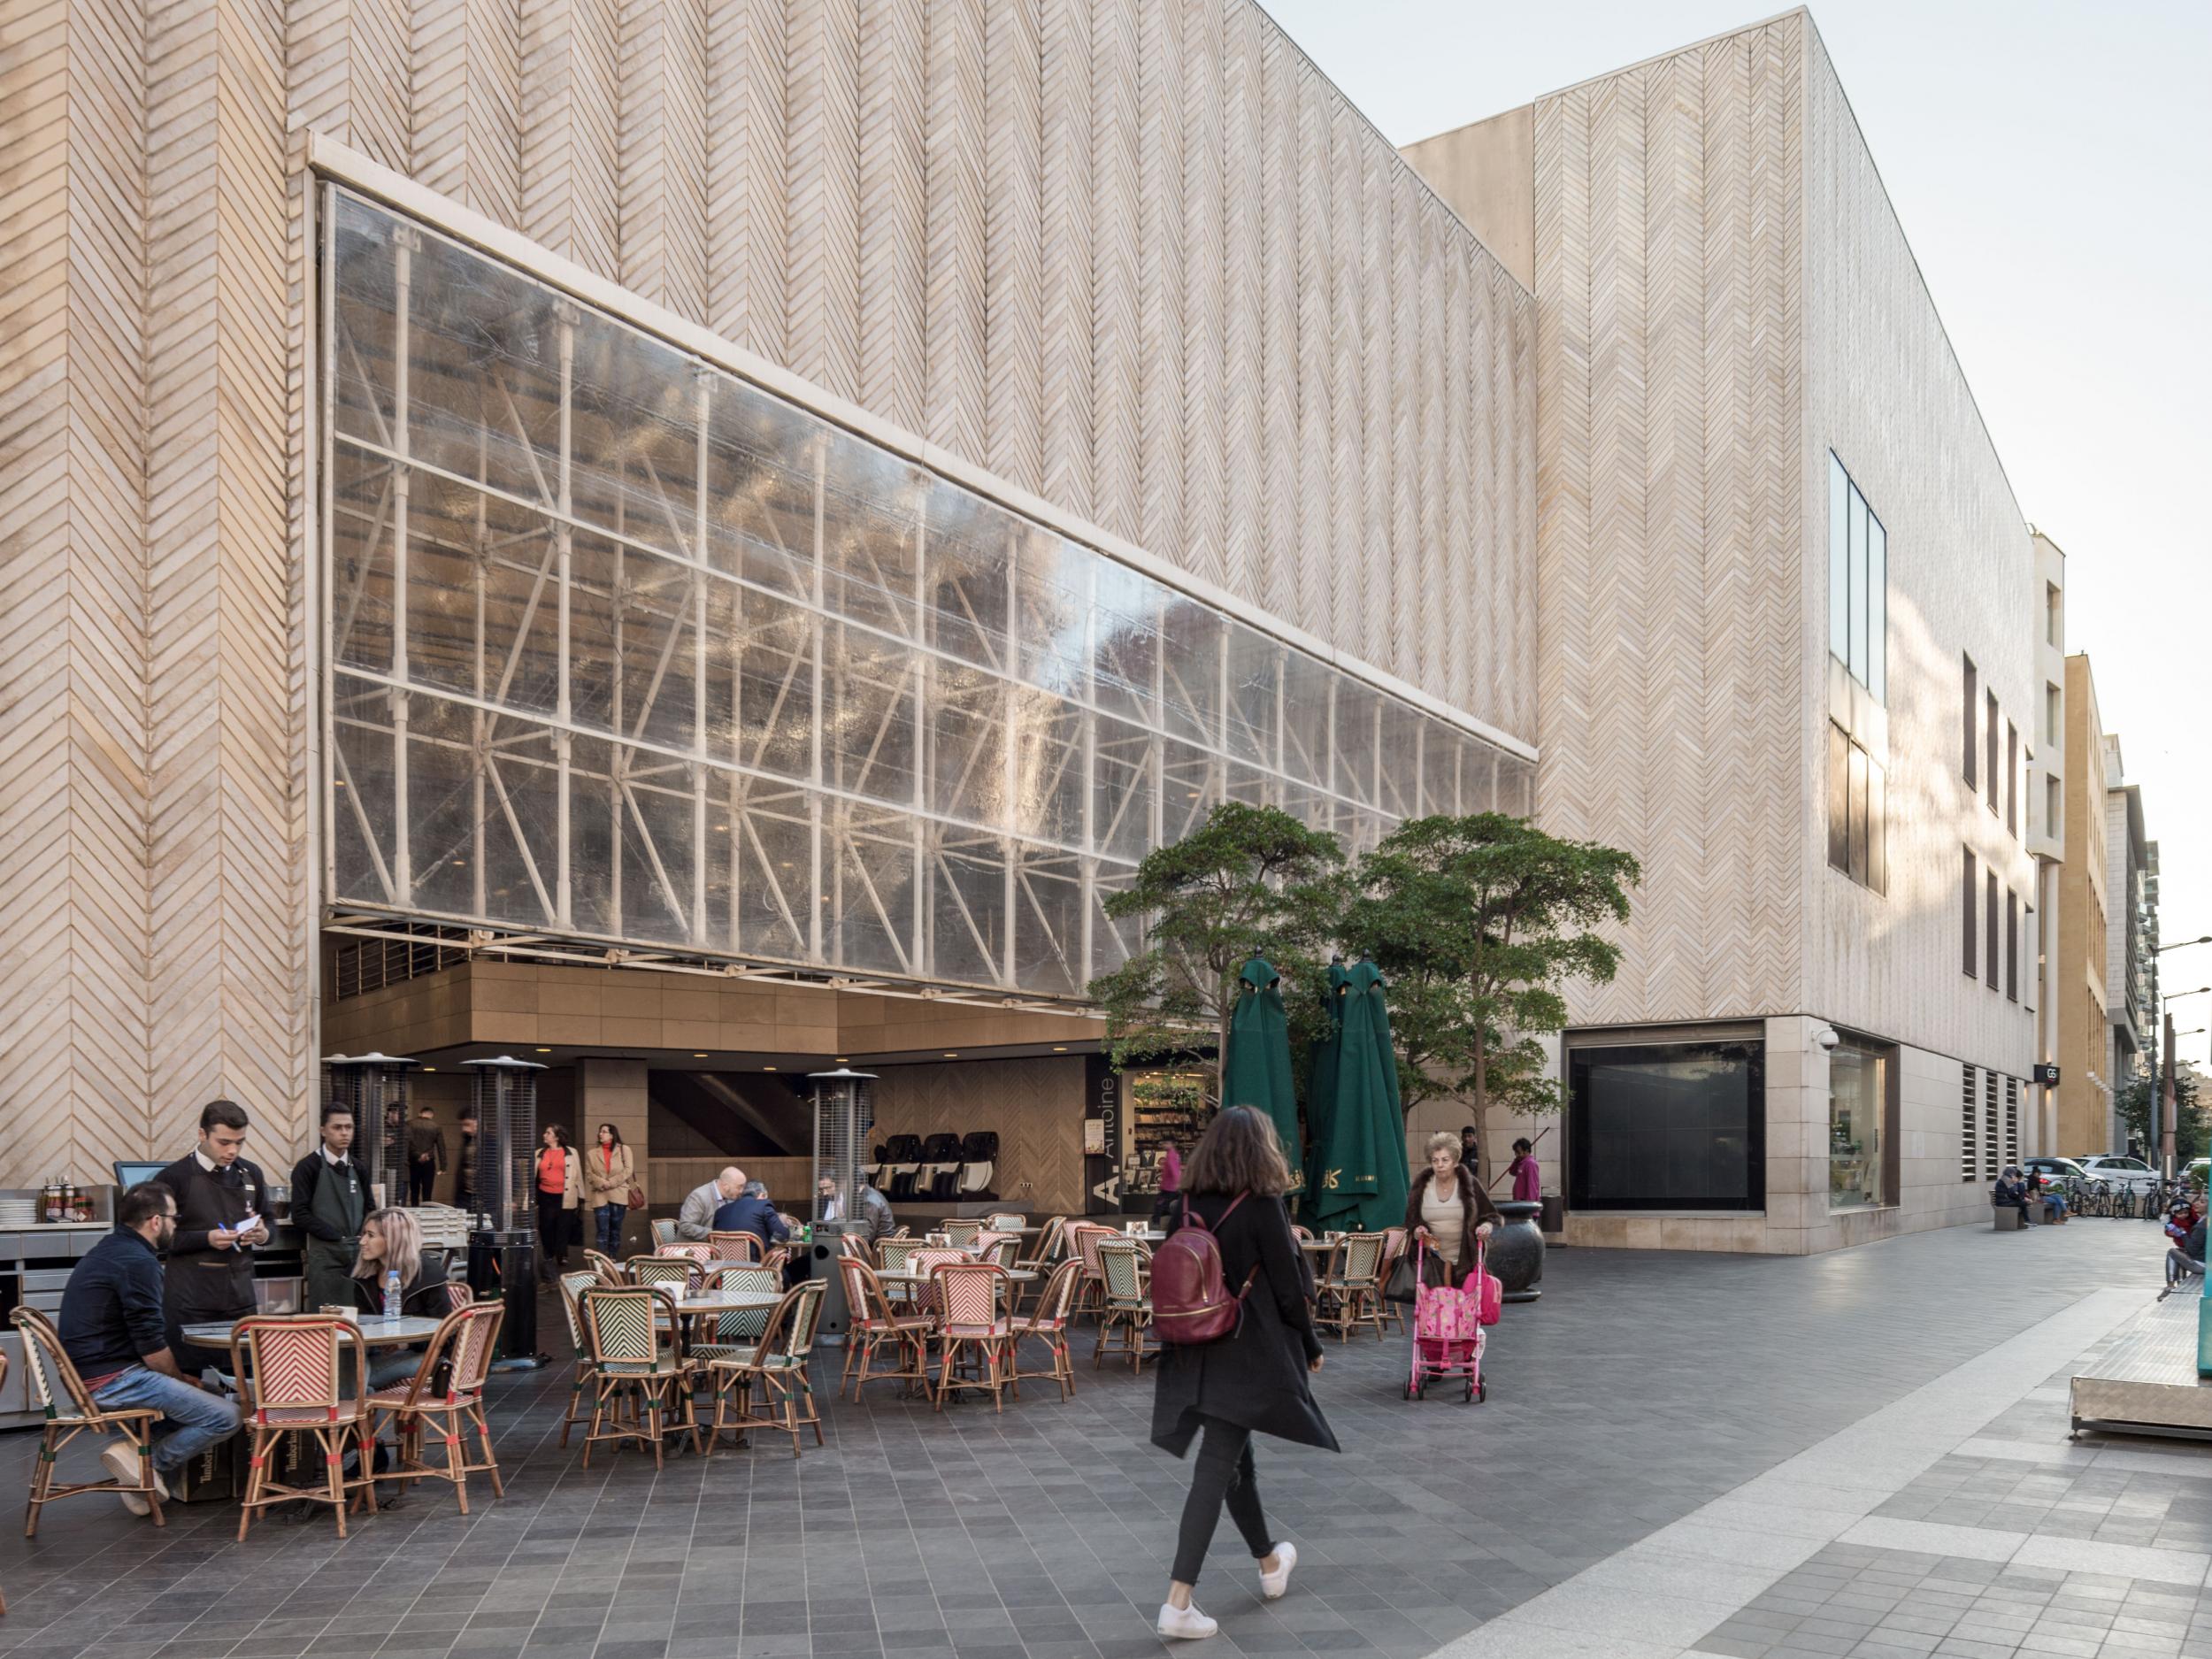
column 621, row 648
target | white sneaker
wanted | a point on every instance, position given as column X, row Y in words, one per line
column 1184, row 1622
column 1273, row 1584
column 120, row 1458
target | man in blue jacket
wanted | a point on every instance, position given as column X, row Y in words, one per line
column 753, row 1213
column 113, row 1328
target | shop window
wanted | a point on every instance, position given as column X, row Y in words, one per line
column 1166, row 1108
column 1858, row 1127
column 1668, row 1127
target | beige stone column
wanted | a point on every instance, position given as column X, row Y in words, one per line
column 613, row 1091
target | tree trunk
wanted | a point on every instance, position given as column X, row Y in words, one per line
column 1221, row 1058
column 1482, row 1109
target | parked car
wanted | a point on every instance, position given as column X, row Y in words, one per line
column 2196, row 1173
column 2130, row 1173
column 2056, row 1169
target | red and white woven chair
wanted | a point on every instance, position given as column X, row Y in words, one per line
column 1083, row 1238
column 1049, row 1323
column 291, row 1370
column 446, row 1393
column 875, row 1322
column 972, row 1326
column 737, row 1248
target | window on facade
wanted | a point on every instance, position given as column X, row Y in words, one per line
column 1968, row 961
column 2032, row 943
column 2012, row 1120
column 2012, row 777
column 1989, row 928
column 2052, row 618
column 1857, row 801
column 1667, row 1126
column 1858, row 583
column 1991, row 1150
column 1969, row 1157
column 2051, row 710
column 1858, row 1125
column 2053, row 808
column 2012, row 946
column 1970, row 740
column 1989, row 751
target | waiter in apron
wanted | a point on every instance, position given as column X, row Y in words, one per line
column 329, row 1198
column 219, row 1199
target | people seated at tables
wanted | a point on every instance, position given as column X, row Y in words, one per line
column 752, row 1212
column 871, row 1211
column 695, row 1219
column 390, row 1239
column 114, row 1331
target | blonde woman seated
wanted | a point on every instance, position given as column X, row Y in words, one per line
column 391, row 1239
column 1449, row 1213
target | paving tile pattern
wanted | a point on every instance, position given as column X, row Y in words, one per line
column 1641, row 1387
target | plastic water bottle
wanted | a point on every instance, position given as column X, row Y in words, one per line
column 391, row 1293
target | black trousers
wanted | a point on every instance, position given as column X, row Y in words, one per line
column 422, row 1181
column 1223, row 1474
column 552, row 1232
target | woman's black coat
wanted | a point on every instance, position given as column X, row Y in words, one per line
column 1257, row 1377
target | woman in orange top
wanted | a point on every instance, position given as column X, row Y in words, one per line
column 560, row 1190
column 609, row 1174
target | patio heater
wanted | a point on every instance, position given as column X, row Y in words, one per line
column 503, row 1241
column 374, row 1088
column 844, row 1116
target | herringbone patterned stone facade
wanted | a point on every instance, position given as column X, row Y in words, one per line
column 1137, row 257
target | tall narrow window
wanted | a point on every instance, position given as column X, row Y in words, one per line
column 1857, row 797
column 1989, row 751
column 1839, row 562
column 1838, row 798
column 2012, row 1120
column 1970, row 1161
column 2051, row 706
column 1858, row 582
column 2012, row 946
column 1858, row 578
column 2012, row 777
column 2052, row 620
column 1876, row 829
column 1989, row 1125
column 1877, row 608
column 1969, row 962
column 1989, row 928
column 2031, row 944
column 2053, row 808
column 1972, row 736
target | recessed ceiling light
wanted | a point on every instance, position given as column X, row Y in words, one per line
column 1059, row 1047
column 701, row 1054
column 768, row 1068
column 949, row 1055
column 545, row 1051
column 430, row 1068
column 841, row 1060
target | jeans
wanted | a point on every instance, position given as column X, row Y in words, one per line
column 609, row 1219
column 2178, row 1263
column 201, row 1418
column 1223, row 1474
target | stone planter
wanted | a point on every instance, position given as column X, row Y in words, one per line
column 1516, row 1249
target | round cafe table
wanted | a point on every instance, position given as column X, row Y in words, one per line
column 725, row 1301
column 376, row 1330
column 1018, row 1275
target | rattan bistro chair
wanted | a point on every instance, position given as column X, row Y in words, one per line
column 973, row 1326
column 677, row 1273
column 292, row 1371
column 960, row 1230
column 70, row 1412
column 741, row 1246
column 1047, row 1322
column 734, row 1331
column 573, row 1286
column 874, row 1323
column 639, row 1375
column 446, row 1393
column 664, row 1230
column 605, row 1268
column 1351, row 1293
column 1128, row 1306
column 777, row 1369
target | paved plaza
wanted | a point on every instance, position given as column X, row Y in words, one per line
column 1862, row 1453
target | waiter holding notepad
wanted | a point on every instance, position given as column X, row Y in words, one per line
column 219, row 1197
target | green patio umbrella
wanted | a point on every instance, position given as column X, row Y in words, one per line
column 1363, row 1183
column 1321, row 1081
column 1259, row 1068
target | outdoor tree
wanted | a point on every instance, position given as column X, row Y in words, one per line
column 1249, row 879
column 1478, row 922
column 2133, row 1102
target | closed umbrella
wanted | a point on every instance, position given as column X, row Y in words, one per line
column 1363, row 1182
column 1258, row 1070
column 1321, row 1082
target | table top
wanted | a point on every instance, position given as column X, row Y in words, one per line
column 725, row 1301
column 1320, row 1246
column 1019, row 1275
column 376, row 1330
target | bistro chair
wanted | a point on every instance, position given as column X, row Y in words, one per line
column 972, row 1322
column 1047, row 1322
column 447, row 1395
column 677, row 1273
column 1304, row 1235
column 960, row 1230
column 290, row 1369
column 70, row 1412
column 1005, row 1221
column 856, row 1244
column 778, row 1367
column 1351, row 1292
column 1004, row 1248
column 1128, row 1302
column 609, row 1271
column 638, row 1370
column 1046, row 1249
column 1083, row 1242
column 924, row 1268
column 573, row 1286
column 902, row 1231
column 734, row 1247
column 1395, row 1242
column 734, row 1330
column 874, row 1322
column 663, row 1231
column 778, row 1255
column 696, row 1252
column 896, row 1254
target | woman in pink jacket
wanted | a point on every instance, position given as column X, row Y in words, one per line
column 1523, row 1171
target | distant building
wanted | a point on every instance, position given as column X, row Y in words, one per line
column 2081, row 974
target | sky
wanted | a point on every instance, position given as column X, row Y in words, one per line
column 2051, row 165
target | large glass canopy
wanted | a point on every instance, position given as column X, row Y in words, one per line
column 621, row 648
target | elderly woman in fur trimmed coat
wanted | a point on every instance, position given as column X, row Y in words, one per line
column 1449, row 1213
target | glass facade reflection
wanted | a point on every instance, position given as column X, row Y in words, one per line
column 621, row 646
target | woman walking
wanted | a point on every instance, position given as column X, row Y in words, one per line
column 560, row 1189
column 609, row 1175
column 1250, row 1382
column 1449, row 1213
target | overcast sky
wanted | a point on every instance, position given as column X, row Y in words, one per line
column 2052, row 166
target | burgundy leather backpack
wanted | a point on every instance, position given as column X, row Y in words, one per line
column 1191, row 1303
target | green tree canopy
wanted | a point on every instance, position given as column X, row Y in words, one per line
column 1249, row 878
column 2133, row 1102
column 1478, row 922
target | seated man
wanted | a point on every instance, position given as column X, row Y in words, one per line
column 2011, row 1192
column 2187, row 1258
column 111, row 1327
column 871, row 1213
column 752, row 1212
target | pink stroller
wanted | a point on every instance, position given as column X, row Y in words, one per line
column 1448, row 1335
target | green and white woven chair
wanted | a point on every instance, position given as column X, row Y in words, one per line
column 638, row 1369
column 777, row 1369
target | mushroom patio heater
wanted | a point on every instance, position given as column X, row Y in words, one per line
column 374, row 1088
column 844, row 1116
column 503, row 1242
